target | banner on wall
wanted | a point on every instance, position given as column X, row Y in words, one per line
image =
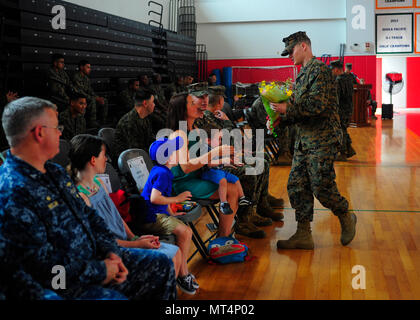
column 394, row 33
column 417, row 32
column 417, row 3
column 395, row 4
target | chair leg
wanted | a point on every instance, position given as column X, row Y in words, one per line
column 198, row 242
column 212, row 210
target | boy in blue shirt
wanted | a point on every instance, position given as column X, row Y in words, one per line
column 160, row 218
column 217, row 175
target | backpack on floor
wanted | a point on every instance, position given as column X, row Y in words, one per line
column 227, row 250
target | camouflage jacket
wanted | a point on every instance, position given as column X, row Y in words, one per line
column 72, row 126
column 133, row 132
column 45, row 223
column 209, row 117
column 59, row 84
column 127, row 100
column 313, row 107
column 82, row 85
column 256, row 115
column 175, row 88
column 159, row 94
column 345, row 95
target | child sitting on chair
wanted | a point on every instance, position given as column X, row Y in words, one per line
column 158, row 195
column 216, row 174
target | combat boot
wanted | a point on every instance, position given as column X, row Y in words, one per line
column 351, row 152
column 342, row 157
column 245, row 227
column 348, row 227
column 259, row 221
column 265, row 210
column 275, row 202
column 302, row 239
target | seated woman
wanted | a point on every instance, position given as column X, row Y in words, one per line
column 88, row 158
column 187, row 174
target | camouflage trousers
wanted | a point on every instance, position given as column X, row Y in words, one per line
column 151, row 276
column 346, row 147
column 96, row 112
column 255, row 186
column 313, row 174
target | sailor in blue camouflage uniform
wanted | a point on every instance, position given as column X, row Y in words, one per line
column 44, row 223
column 313, row 109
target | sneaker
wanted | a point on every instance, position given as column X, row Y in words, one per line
column 194, row 282
column 185, row 284
column 244, row 202
column 225, row 208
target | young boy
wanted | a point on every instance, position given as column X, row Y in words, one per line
column 217, row 175
column 158, row 194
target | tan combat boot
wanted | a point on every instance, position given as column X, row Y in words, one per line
column 264, row 210
column 275, row 202
column 245, row 227
column 348, row 227
column 259, row 221
column 302, row 239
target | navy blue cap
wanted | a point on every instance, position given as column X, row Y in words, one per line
column 161, row 149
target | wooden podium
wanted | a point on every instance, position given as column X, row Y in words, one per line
column 360, row 112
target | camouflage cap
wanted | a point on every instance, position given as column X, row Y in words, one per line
column 198, row 89
column 293, row 40
column 337, row 64
column 218, row 91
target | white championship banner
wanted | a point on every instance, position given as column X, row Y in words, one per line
column 394, row 4
column 394, row 33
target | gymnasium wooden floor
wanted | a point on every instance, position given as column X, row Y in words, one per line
column 382, row 184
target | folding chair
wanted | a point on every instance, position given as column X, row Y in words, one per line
column 108, row 134
column 135, row 164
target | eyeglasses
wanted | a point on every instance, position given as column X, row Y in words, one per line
column 59, row 128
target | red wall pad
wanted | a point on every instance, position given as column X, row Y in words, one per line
column 413, row 82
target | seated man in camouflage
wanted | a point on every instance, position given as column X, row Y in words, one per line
column 73, row 119
column 45, row 224
column 126, row 98
column 135, row 130
column 158, row 117
column 97, row 109
column 59, row 84
column 255, row 186
column 162, row 105
column 176, row 87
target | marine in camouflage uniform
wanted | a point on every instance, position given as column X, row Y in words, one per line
column 132, row 131
column 82, row 85
column 175, row 87
column 344, row 82
column 313, row 108
column 255, row 187
column 126, row 97
column 73, row 125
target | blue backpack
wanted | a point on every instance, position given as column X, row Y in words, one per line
column 227, row 250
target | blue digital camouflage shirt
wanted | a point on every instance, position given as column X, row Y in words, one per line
column 39, row 230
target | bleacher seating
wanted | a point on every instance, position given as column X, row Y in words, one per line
column 115, row 46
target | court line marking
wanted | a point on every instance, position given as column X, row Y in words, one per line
column 363, row 210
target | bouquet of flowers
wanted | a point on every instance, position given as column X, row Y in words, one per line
column 274, row 92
